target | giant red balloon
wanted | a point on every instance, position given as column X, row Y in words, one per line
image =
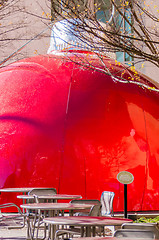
column 74, row 128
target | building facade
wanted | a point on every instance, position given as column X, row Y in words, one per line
column 26, row 31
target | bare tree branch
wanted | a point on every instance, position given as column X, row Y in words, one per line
column 137, row 39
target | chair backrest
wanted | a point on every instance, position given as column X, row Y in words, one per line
column 94, row 211
column 40, row 192
column 86, row 201
column 142, row 226
column 107, row 203
column 8, row 205
column 133, row 233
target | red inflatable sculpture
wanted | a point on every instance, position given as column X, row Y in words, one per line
column 75, row 128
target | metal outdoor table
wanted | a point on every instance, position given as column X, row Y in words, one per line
column 56, row 206
column 51, row 208
column 107, row 238
column 87, row 222
column 97, row 238
column 21, row 189
column 50, row 197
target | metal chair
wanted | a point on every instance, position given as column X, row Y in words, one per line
column 107, row 203
column 101, row 231
column 18, row 218
column 95, row 211
column 38, row 216
column 88, row 212
column 142, row 226
column 42, row 191
column 134, row 233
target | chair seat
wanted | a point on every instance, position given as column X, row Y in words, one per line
column 12, row 221
column 134, row 233
column 142, row 226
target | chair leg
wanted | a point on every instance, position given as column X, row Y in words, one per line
column 18, row 227
column 29, row 229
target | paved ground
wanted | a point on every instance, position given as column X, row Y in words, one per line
column 13, row 234
column 20, row 234
column 16, row 234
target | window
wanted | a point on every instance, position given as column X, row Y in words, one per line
column 108, row 13
column 104, row 11
column 125, row 29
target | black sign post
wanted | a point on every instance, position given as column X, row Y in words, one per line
column 125, row 201
column 125, row 178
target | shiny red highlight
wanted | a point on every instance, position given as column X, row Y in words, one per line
column 74, row 128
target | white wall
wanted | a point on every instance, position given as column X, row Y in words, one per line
column 32, row 25
column 32, row 18
column 148, row 68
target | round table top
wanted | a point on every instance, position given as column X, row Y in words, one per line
column 20, row 189
column 107, row 238
column 55, row 206
column 86, row 221
column 50, row 196
column 96, row 238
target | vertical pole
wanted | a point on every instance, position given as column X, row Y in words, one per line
column 125, row 200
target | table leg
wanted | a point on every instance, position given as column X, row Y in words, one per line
column 52, row 227
column 29, row 230
column 82, row 231
column 94, row 231
column 88, row 231
column 23, row 203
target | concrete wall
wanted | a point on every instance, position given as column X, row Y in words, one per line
column 28, row 18
column 148, row 68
